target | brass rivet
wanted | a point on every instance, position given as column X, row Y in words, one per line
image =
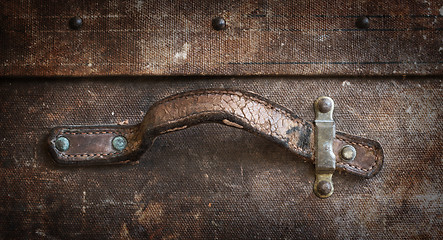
column 119, row 143
column 348, row 153
column 324, row 105
column 324, row 188
column 62, row 144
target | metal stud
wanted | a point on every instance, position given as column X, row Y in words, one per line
column 362, row 22
column 348, row 153
column 218, row 23
column 324, row 188
column 324, row 105
column 119, row 143
column 75, row 23
column 62, row 144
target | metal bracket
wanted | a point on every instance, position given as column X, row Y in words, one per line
column 324, row 155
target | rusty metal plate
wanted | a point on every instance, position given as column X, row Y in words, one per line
column 316, row 37
column 213, row 181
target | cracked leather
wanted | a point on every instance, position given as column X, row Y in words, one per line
column 92, row 145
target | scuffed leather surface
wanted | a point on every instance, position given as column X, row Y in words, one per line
column 213, row 181
column 92, row 143
column 246, row 110
column 263, row 117
column 240, row 109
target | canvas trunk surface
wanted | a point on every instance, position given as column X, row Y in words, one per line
column 214, row 181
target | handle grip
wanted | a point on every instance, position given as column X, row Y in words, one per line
column 95, row 145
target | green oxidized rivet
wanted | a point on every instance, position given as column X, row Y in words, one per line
column 119, row 143
column 62, row 144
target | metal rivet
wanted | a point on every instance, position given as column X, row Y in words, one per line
column 219, row 23
column 119, row 143
column 324, row 105
column 362, row 22
column 324, row 187
column 62, row 144
column 75, row 23
column 348, row 153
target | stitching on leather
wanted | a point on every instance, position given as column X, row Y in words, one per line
column 238, row 94
column 292, row 145
column 93, row 133
column 206, row 92
column 92, row 155
column 68, row 132
column 90, row 133
column 359, row 144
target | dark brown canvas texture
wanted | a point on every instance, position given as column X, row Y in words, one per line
column 212, row 181
column 262, row 37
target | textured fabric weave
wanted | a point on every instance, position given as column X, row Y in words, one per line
column 262, row 37
column 213, row 181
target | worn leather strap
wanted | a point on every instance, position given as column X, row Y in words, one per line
column 92, row 145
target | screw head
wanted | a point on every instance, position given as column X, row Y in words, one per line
column 348, row 153
column 324, row 187
column 362, row 22
column 75, row 23
column 119, row 143
column 324, row 105
column 62, row 144
column 218, row 23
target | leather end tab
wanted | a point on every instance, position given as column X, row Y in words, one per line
column 368, row 159
column 90, row 145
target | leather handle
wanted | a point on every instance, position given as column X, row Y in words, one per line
column 93, row 145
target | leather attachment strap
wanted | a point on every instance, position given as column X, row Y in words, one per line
column 94, row 145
